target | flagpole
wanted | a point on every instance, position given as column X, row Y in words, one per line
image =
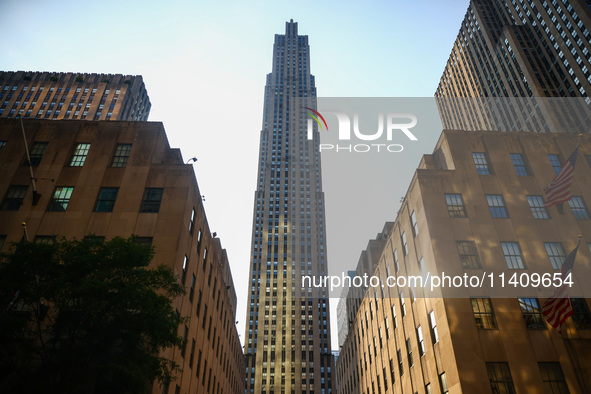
column 36, row 195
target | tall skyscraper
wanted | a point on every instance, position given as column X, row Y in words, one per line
column 288, row 332
column 527, row 48
column 49, row 95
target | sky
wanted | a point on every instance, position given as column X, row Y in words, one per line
column 204, row 64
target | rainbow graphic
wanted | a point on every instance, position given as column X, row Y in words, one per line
column 317, row 115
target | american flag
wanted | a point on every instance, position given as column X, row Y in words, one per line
column 558, row 191
column 558, row 308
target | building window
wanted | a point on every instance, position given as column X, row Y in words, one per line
column 530, row 309
column 443, row 383
column 578, row 207
column 499, row 377
column 483, row 313
column 555, row 254
column 468, row 254
column 45, row 239
column 400, row 365
column 433, row 324
column 481, row 163
column 513, row 257
column 145, row 242
column 496, row 205
column 151, row 200
column 2, row 145
column 61, row 198
column 79, row 155
column 415, row 227
column 192, row 221
column 2, row 240
column 455, row 206
column 420, row 340
column 409, row 351
column 14, row 198
column 404, row 244
column 184, row 271
column 555, row 163
column 538, row 209
column 519, row 164
column 106, row 199
column 121, row 155
column 581, row 317
column 37, row 152
column 553, row 378
column 402, row 304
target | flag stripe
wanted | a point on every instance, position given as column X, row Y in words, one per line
column 558, row 191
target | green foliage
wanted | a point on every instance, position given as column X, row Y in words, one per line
column 85, row 317
column 53, row 78
column 79, row 79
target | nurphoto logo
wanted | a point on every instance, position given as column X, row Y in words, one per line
column 396, row 124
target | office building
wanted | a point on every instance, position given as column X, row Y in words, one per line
column 287, row 341
column 525, row 49
column 120, row 178
column 475, row 206
column 49, row 95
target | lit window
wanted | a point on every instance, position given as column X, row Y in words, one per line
column 14, row 198
column 106, row 199
column 151, row 200
column 512, row 253
column 413, row 220
column 79, row 155
column 468, row 254
column 519, row 164
column 121, row 155
column 578, row 207
column 483, row 313
column 499, row 377
column 481, row 163
column 404, row 244
column 555, row 163
column 421, row 341
column 538, row 209
column 530, row 309
column 37, row 152
column 496, row 205
column 433, row 324
column 61, row 198
column 455, row 206
column 555, row 254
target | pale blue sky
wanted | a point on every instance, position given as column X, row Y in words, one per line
column 204, row 65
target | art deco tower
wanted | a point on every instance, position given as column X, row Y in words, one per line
column 288, row 335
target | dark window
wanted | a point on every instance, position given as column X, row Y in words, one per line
column 409, row 351
column 106, row 199
column 500, row 379
column 151, row 200
column 2, row 145
column 61, row 198
column 37, row 151
column 455, row 205
column 14, row 198
column 468, row 254
column 481, row 163
column 581, row 317
column 145, row 242
column 538, row 209
column 121, row 155
column 530, row 309
column 79, row 155
column 496, row 205
column 553, row 378
column 2, row 240
column 45, row 239
column 483, row 313
column 519, row 164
